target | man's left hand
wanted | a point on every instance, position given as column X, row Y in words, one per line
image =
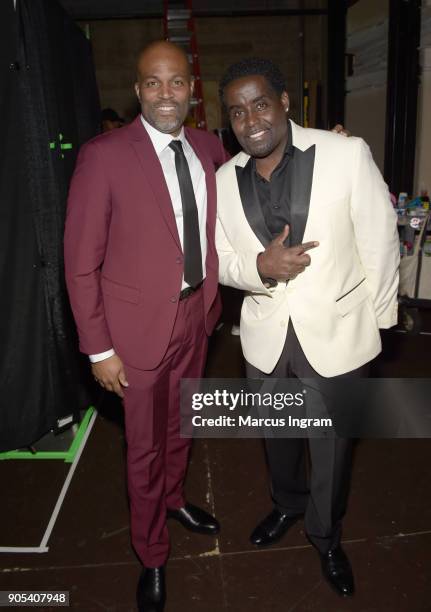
column 340, row 129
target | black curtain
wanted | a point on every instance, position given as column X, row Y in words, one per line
column 49, row 106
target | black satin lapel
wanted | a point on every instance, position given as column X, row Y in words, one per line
column 302, row 181
column 250, row 203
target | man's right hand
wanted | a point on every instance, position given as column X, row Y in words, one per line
column 284, row 263
column 110, row 374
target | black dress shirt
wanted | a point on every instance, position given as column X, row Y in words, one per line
column 274, row 195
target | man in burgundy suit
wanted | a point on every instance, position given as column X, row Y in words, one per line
column 142, row 274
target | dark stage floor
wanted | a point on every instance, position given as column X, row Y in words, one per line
column 387, row 530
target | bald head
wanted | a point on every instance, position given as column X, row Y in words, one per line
column 160, row 49
column 164, row 86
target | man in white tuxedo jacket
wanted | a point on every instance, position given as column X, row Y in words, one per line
column 306, row 228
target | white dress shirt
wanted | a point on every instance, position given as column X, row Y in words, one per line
column 166, row 157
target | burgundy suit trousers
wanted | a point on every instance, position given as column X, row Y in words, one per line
column 156, row 454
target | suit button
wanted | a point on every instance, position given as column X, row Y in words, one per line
column 173, row 299
column 179, row 260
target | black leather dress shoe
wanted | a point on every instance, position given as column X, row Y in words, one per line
column 151, row 591
column 272, row 528
column 195, row 519
column 337, row 571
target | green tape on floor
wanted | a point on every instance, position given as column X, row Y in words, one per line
column 67, row 456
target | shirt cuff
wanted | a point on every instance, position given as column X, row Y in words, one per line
column 101, row 356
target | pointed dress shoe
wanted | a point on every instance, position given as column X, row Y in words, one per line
column 272, row 528
column 195, row 519
column 151, row 590
column 337, row 571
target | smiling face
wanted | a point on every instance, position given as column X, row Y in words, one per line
column 164, row 86
column 258, row 116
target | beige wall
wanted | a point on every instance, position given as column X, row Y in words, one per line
column 423, row 134
column 423, row 146
column 365, row 109
column 221, row 41
column 366, row 13
column 224, row 41
column 115, row 46
column 365, row 117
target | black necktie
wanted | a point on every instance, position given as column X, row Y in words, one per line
column 191, row 237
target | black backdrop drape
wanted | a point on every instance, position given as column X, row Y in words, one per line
column 48, row 107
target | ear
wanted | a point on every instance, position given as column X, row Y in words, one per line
column 285, row 100
column 137, row 91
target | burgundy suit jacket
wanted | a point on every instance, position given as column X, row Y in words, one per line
column 123, row 256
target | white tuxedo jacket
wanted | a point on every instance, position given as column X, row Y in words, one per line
column 349, row 290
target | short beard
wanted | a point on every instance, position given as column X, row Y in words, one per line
column 259, row 151
column 168, row 125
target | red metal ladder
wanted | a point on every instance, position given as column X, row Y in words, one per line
column 179, row 28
